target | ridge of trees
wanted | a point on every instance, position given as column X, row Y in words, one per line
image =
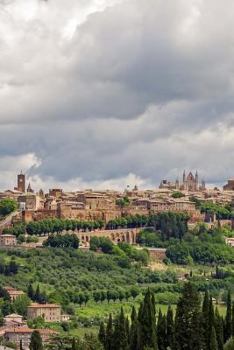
column 170, row 224
column 194, row 325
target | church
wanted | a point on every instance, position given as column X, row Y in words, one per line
column 189, row 183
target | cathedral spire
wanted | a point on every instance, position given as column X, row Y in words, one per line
column 184, row 176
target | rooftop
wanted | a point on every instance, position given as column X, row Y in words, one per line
column 36, row 305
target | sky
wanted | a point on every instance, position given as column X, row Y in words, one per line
column 109, row 93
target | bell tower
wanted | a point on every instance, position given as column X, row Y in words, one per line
column 21, row 182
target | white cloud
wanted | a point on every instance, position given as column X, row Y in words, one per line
column 11, row 165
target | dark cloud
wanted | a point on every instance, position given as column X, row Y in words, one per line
column 102, row 89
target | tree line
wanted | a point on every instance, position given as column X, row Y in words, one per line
column 10, row 268
column 62, row 241
column 169, row 224
column 195, row 325
column 37, row 295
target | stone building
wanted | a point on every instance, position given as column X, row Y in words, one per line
column 229, row 186
column 23, row 335
column 50, row 312
column 20, row 183
column 13, row 320
column 157, row 254
column 189, row 183
column 7, row 240
column 31, row 201
column 14, row 293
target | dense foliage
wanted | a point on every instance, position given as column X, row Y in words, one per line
column 70, row 276
column 193, row 327
column 222, row 212
column 62, row 241
column 169, row 224
column 7, row 206
column 124, row 250
column 177, row 194
column 123, row 202
column 8, row 268
column 201, row 245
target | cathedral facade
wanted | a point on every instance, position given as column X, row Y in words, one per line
column 190, row 182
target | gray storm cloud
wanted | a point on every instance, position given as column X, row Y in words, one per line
column 104, row 92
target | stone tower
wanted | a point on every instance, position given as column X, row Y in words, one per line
column 21, row 182
column 29, row 189
column 184, row 177
column 196, row 180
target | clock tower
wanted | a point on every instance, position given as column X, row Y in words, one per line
column 21, row 182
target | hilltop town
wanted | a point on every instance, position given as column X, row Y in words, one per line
column 95, row 241
column 106, row 205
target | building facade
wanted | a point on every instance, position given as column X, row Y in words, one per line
column 50, row 312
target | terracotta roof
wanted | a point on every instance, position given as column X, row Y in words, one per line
column 36, row 305
column 12, row 315
column 30, row 330
column 19, row 292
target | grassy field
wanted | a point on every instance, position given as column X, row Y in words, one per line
column 102, row 310
column 93, row 311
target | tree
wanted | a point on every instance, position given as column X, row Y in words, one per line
column 161, row 331
column 102, row 334
column 233, row 320
column 120, row 338
column 21, row 304
column 7, row 206
column 187, row 320
column 147, row 323
column 219, row 329
column 177, row 194
column 133, row 330
column 228, row 318
column 30, row 292
column 213, row 341
column 229, row 345
column 170, row 328
column 206, row 308
column 36, row 341
column 109, row 333
column 74, row 344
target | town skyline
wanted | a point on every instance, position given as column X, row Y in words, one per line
column 174, row 183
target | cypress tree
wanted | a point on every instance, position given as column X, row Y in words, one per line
column 36, row 341
column 213, row 341
column 170, row 328
column 37, row 295
column 147, row 323
column 228, row 318
column 161, row 331
column 205, row 318
column 102, row 334
column 30, row 292
column 211, row 319
column 133, row 330
column 74, row 344
column 109, row 334
column 219, row 329
column 233, row 320
column 187, row 320
column 127, row 329
column 120, row 339
column 153, row 304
